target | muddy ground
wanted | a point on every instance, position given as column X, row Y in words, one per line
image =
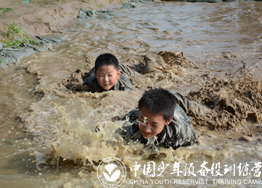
column 40, row 17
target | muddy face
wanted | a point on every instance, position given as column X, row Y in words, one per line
column 62, row 126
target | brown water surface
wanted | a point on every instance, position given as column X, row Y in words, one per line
column 57, row 127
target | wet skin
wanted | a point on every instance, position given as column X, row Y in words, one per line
column 151, row 124
column 107, row 76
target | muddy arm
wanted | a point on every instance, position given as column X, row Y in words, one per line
column 189, row 106
column 127, row 70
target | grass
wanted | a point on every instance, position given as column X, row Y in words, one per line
column 4, row 10
column 40, row 19
column 14, row 36
column 100, row 5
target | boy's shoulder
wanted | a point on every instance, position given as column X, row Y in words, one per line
column 92, row 84
column 179, row 132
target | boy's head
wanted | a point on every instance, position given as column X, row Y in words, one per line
column 107, row 70
column 156, row 109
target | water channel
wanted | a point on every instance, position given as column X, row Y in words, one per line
column 48, row 133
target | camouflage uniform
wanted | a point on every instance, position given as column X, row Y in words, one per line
column 177, row 133
column 122, row 83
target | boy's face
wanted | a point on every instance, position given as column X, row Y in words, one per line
column 107, row 76
column 150, row 124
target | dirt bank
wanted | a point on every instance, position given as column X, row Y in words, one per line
column 235, row 103
column 40, row 17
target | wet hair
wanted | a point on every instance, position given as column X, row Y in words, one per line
column 106, row 59
column 158, row 101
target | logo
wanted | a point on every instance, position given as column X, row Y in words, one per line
column 111, row 172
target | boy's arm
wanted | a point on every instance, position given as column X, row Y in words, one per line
column 129, row 129
column 91, row 83
column 189, row 106
column 180, row 131
column 128, row 71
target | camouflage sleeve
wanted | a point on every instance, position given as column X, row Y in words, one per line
column 124, row 83
column 131, row 116
column 183, row 133
column 129, row 128
column 128, row 71
column 91, row 83
column 90, row 80
column 189, row 106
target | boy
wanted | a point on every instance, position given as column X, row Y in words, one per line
column 108, row 75
column 159, row 122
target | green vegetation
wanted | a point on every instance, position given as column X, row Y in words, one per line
column 40, row 19
column 14, row 36
column 100, row 5
column 4, row 10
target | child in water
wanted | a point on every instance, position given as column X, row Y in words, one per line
column 109, row 75
column 159, row 121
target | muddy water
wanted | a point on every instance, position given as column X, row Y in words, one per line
column 54, row 142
